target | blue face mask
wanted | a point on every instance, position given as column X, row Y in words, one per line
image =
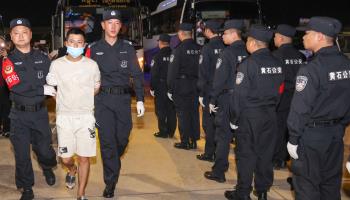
column 75, row 52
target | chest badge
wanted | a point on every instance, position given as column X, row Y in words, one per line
column 124, row 64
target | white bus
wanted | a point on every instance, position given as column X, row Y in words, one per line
column 87, row 15
column 170, row 13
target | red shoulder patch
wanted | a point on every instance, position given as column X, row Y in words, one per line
column 8, row 72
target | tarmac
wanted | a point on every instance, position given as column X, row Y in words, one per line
column 152, row 169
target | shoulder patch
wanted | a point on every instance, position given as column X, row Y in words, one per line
column 92, row 44
column 172, row 58
column 300, row 83
column 239, row 78
column 127, row 42
column 200, row 59
column 152, row 63
column 218, row 63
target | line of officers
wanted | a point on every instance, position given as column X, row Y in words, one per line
column 271, row 103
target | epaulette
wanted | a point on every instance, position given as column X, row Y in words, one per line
column 127, row 42
column 91, row 44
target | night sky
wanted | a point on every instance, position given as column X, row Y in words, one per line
column 275, row 11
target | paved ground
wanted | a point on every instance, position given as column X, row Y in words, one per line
column 151, row 170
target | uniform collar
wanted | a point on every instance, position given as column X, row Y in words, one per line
column 116, row 44
column 22, row 55
column 329, row 49
column 187, row 40
column 288, row 45
column 261, row 51
column 215, row 38
column 237, row 43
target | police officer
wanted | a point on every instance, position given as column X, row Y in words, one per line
column 165, row 109
column 221, row 92
column 291, row 59
column 182, row 83
column 24, row 71
column 5, row 103
column 319, row 114
column 256, row 95
column 118, row 63
column 207, row 61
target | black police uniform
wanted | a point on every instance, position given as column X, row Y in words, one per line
column 118, row 64
column 182, row 83
column 207, row 62
column 223, row 86
column 256, row 95
column 5, row 106
column 318, row 117
column 291, row 59
column 29, row 117
column 165, row 109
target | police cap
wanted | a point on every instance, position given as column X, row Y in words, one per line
column 164, row 38
column 111, row 14
column 234, row 24
column 20, row 22
column 212, row 25
column 185, row 27
column 326, row 25
column 260, row 32
column 286, row 30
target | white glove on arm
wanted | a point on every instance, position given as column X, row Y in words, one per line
column 212, row 108
column 140, row 109
column 49, row 90
column 200, row 99
column 292, row 150
column 170, row 96
column 51, row 79
column 152, row 93
column 233, row 127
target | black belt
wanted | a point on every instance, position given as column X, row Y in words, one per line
column 28, row 108
column 323, row 123
column 184, row 76
column 116, row 90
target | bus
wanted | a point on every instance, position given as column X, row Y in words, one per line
column 170, row 13
column 87, row 15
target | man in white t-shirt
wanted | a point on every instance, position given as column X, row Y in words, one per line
column 77, row 79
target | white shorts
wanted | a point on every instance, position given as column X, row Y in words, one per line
column 76, row 135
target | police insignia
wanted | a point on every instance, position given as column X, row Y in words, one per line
column 40, row 74
column 152, row 63
column 171, row 58
column 200, row 59
column 218, row 63
column 239, row 78
column 124, row 64
column 8, row 69
column 300, row 83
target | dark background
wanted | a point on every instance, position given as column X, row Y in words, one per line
column 275, row 11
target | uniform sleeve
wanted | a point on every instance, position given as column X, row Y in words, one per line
column 173, row 69
column 222, row 74
column 301, row 107
column 203, row 76
column 16, row 81
column 154, row 73
column 137, row 75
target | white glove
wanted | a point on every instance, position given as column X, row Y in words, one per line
column 140, row 109
column 200, row 99
column 233, row 127
column 292, row 150
column 170, row 96
column 348, row 166
column 152, row 93
column 51, row 79
column 49, row 90
column 212, row 108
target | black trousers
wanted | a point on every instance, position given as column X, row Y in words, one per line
column 31, row 128
column 114, row 123
column 223, row 135
column 281, row 153
column 208, row 125
column 165, row 111
column 5, row 106
column 255, row 140
column 317, row 172
column 187, row 109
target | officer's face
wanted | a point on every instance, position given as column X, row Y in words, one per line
column 75, row 40
column 111, row 27
column 21, row 35
column 227, row 36
column 277, row 39
column 310, row 40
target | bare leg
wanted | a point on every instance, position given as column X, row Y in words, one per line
column 83, row 173
column 69, row 163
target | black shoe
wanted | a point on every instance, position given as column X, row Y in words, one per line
column 109, row 191
column 49, row 177
column 6, row 134
column 290, row 181
column 193, row 145
column 262, row 195
column 82, row 198
column 205, row 157
column 280, row 165
column 232, row 195
column 160, row 135
column 27, row 194
column 209, row 175
column 181, row 145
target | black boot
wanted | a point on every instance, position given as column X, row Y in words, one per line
column 262, row 195
column 108, row 192
column 232, row 195
column 49, row 177
column 182, row 145
column 27, row 194
column 193, row 144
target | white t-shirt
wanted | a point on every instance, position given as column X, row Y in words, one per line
column 76, row 83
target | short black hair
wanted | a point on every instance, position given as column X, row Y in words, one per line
column 76, row 31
